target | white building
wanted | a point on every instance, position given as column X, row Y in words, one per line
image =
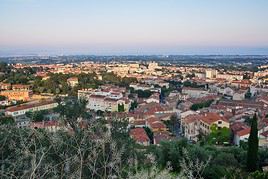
column 195, row 92
column 104, row 100
column 30, row 107
column 239, row 95
column 230, row 77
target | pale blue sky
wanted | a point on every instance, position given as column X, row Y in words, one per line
column 133, row 27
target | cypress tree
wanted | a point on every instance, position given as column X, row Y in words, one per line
column 253, row 145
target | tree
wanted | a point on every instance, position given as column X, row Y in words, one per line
column 150, row 134
column 2, row 98
column 253, row 145
column 201, row 105
column 121, row 108
column 126, row 81
column 30, row 153
column 72, row 111
column 7, row 121
column 248, row 94
column 173, row 124
column 36, row 116
column 144, row 94
column 258, row 175
column 133, row 105
column 218, row 135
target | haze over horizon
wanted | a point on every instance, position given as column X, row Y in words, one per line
column 133, row 27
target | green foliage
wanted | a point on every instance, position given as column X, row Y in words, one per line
column 248, row 94
column 65, row 155
column 190, row 75
column 88, row 80
column 192, row 84
column 111, row 78
column 253, row 145
column 166, row 91
column 7, row 120
column 258, row 175
column 119, row 132
column 126, row 81
column 170, row 152
column 37, row 116
column 144, row 94
column 2, row 98
column 27, row 153
column 72, row 110
column 133, row 105
column 57, row 83
column 173, row 123
column 121, row 108
column 4, row 67
column 149, row 133
column 205, row 104
column 218, row 136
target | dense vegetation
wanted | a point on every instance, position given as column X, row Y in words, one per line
column 201, row 105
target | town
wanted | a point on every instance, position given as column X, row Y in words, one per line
column 135, row 89
column 159, row 102
column 160, row 105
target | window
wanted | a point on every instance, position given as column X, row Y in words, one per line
column 219, row 122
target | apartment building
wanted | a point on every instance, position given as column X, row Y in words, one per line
column 105, row 100
column 191, row 127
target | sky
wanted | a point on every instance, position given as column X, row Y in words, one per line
column 134, row 27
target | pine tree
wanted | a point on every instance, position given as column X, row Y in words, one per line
column 253, row 144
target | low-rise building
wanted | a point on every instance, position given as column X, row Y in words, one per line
column 51, row 126
column 161, row 136
column 239, row 95
column 230, row 77
column 18, row 110
column 20, row 87
column 73, row 81
column 153, row 98
column 240, row 132
column 195, row 92
column 140, row 136
column 17, row 95
column 209, row 119
column 5, row 86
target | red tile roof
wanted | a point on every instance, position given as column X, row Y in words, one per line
column 139, row 135
column 139, row 122
column 192, row 118
column 243, row 132
column 161, row 136
column 210, row 118
column 157, row 125
column 28, row 105
column 240, row 129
